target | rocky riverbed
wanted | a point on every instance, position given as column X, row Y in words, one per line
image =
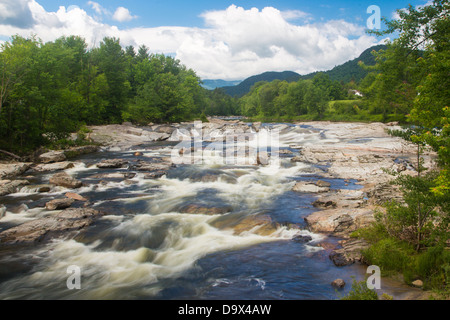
column 340, row 167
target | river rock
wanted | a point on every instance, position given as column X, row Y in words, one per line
column 75, row 196
column 57, row 166
column 112, row 163
column 204, row 209
column 154, row 175
column 338, row 283
column 312, row 187
column 417, row 283
column 39, row 188
column 350, row 252
column 63, row 224
column 165, row 129
column 64, row 180
column 59, row 204
column 2, row 211
column 262, row 158
column 259, row 224
column 302, row 239
column 12, row 186
column 11, row 170
column 52, row 156
column 147, row 166
column 340, row 221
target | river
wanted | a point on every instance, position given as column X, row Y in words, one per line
column 149, row 246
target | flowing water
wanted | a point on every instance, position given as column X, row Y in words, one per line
column 147, row 248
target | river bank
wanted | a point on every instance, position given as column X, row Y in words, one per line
column 337, row 166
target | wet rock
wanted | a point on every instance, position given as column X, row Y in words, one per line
column 114, row 175
column 338, row 283
column 350, row 252
column 75, row 196
column 52, row 156
column 165, row 129
column 12, row 186
column 59, row 204
column 39, row 188
column 64, row 224
column 256, row 126
column 11, row 170
column 322, row 184
column 339, row 221
column 204, row 209
column 64, row 180
column 257, row 224
column 154, row 175
column 157, row 136
column 57, row 166
column 112, row 163
column 146, row 166
column 324, row 203
column 302, row 239
column 303, row 186
column 2, row 211
column 262, row 158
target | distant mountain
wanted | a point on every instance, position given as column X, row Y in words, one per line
column 245, row 86
column 351, row 70
column 346, row 72
column 218, row 83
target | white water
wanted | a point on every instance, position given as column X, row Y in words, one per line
column 115, row 272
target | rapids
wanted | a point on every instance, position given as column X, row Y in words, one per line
column 148, row 247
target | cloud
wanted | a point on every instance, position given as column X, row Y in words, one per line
column 16, row 13
column 235, row 43
column 98, row 8
column 123, row 14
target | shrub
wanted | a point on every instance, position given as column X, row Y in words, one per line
column 360, row 291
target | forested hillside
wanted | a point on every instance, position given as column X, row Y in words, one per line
column 350, row 70
column 49, row 90
column 245, row 86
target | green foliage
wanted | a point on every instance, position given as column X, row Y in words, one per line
column 390, row 255
column 360, row 291
column 52, row 89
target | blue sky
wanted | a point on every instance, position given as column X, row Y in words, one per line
column 152, row 13
column 218, row 39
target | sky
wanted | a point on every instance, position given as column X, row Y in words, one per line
column 229, row 40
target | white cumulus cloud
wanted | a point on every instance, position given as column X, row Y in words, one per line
column 234, row 44
column 123, row 14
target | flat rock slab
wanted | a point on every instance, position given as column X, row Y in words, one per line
column 12, row 186
column 63, row 224
column 59, row 204
column 57, row 166
column 52, row 156
column 11, row 170
column 64, row 180
column 340, row 221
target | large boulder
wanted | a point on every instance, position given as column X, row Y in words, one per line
column 64, row 224
column 112, row 163
column 59, row 204
column 64, row 180
column 341, row 221
column 8, row 187
column 52, row 156
column 11, row 170
column 56, row 166
column 350, row 252
column 313, row 187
